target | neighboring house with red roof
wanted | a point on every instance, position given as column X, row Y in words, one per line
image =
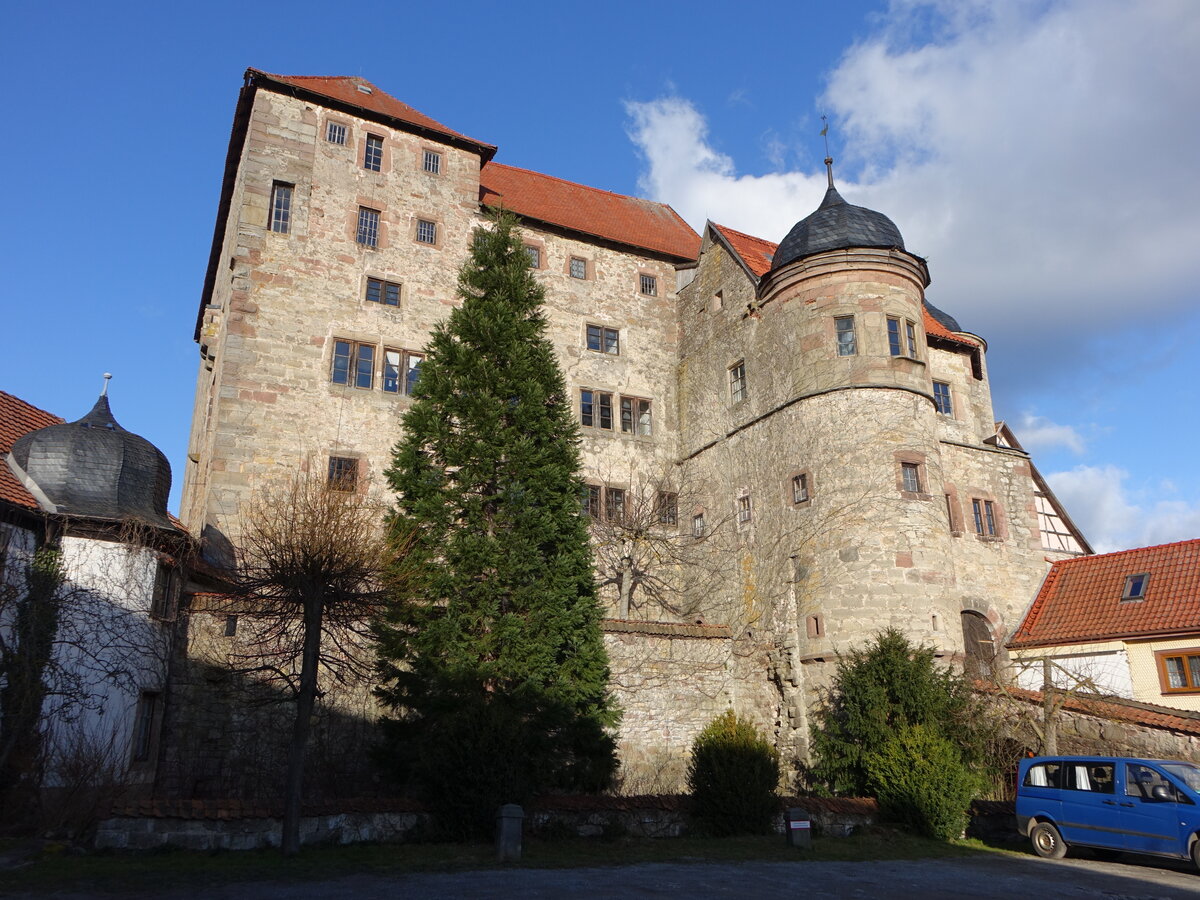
column 1124, row 623
column 829, row 432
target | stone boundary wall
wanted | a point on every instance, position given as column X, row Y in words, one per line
column 217, row 826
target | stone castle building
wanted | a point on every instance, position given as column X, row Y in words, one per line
column 814, row 442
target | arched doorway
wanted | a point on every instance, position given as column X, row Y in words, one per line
column 979, row 646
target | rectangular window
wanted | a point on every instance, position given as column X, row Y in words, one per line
column 737, row 382
column 649, row 285
column 591, row 500
column 426, row 231
column 385, row 292
column 1179, row 670
column 433, row 162
column 335, row 132
column 941, row 398
column 143, row 726
column 604, row 340
column 910, row 335
column 614, row 504
column 1135, row 587
column 368, row 227
column 847, row 344
column 230, row 626
column 800, row 488
column 164, row 589
column 343, row 473
column 743, row 510
column 535, row 256
column 910, row 477
column 595, row 409
column 353, row 364
column 400, row 371
column 281, row 207
column 635, row 416
column 699, row 526
column 578, row 267
column 985, row 517
column 667, row 508
column 894, row 336
column 373, row 155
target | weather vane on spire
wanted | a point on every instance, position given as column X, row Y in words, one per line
column 104, row 390
column 828, row 158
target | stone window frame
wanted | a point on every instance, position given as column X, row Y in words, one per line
column 384, row 284
column 280, row 212
column 423, row 219
column 373, row 149
column 647, row 279
column 346, row 132
column 164, row 594
column 589, row 273
column 591, row 504
column 743, row 509
column 999, row 527
column 344, row 473
column 428, row 153
column 699, row 529
column 666, row 509
column 535, row 246
column 1191, row 679
column 814, row 626
column 354, row 358
column 596, row 408
column 954, row 518
column 906, row 458
column 717, row 301
column 612, row 514
column 602, row 333
column 789, row 488
column 147, row 722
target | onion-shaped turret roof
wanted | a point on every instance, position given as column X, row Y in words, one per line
column 96, row 469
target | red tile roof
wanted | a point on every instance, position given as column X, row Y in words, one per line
column 614, row 217
column 1080, row 600
column 345, row 89
column 1136, row 712
column 758, row 254
column 666, row 629
column 17, row 418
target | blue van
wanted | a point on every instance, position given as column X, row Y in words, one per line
column 1110, row 803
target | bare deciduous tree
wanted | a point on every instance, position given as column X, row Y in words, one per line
column 312, row 572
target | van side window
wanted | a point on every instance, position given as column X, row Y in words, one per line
column 1147, row 784
column 1094, row 777
column 1046, row 774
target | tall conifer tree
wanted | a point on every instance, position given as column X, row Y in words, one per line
column 494, row 666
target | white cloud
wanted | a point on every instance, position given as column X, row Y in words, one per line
column 1038, row 433
column 1113, row 518
column 1041, row 154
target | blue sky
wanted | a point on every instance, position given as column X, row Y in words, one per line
column 1040, row 153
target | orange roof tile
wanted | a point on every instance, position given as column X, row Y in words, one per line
column 1080, row 600
column 758, row 254
column 345, row 89
column 625, row 220
column 1117, row 708
column 17, row 418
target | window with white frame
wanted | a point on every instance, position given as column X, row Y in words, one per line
column 373, row 153
column 400, row 370
column 335, row 133
column 941, row 398
column 699, row 525
column 281, row 207
column 893, row 328
column 432, row 162
column 426, row 231
column 649, row 285
column 578, row 267
column 635, row 416
column 744, row 510
column 666, row 508
column 800, row 488
column 614, row 504
column 910, row 477
column 343, row 473
column 535, row 256
column 737, row 381
column 368, row 227
column 910, row 337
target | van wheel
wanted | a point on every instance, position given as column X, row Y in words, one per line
column 1047, row 842
column 1196, row 852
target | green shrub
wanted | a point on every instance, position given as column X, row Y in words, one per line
column 922, row 782
column 732, row 776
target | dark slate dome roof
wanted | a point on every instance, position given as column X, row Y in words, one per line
column 837, row 225
column 945, row 318
column 95, row 468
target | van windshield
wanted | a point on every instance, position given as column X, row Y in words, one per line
column 1186, row 772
